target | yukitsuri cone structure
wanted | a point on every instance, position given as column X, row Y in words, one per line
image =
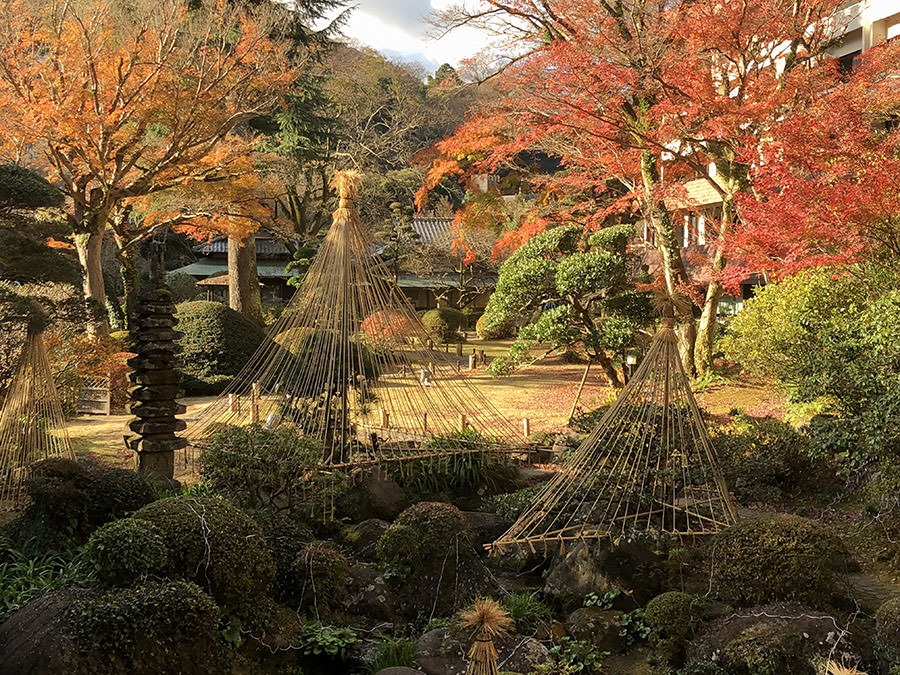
column 350, row 364
column 32, row 424
column 649, row 466
column 156, row 384
column 490, row 621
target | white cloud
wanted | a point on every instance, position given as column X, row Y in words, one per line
column 400, row 28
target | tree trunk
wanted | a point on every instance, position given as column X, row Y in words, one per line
column 706, row 336
column 89, row 248
column 243, row 282
column 674, row 270
column 130, row 282
column 611, row 373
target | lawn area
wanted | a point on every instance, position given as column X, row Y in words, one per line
column 543, row 392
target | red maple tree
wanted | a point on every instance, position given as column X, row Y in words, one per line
column 636, row 97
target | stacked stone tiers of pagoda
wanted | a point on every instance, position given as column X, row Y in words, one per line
column 156, row 386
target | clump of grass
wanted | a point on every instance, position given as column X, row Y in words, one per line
column 392, row 652
column 526, row 611
column 22, row 579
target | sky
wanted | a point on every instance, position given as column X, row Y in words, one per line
column 398, row 29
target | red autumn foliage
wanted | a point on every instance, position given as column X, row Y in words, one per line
column 827, row 188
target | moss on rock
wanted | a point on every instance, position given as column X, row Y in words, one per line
column 779, row 558
column 887, row 629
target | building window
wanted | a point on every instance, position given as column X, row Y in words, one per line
column 847, row 62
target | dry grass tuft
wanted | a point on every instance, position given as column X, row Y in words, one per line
column 487, row 617
column 841, row 669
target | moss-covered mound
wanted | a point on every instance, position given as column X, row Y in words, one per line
column 432, row 560
column 126, row 550
column 421, row 533
column 286, row 538
column 887, row 631
column 779, row 558
column 320, row 572
column 671, row 618
column 69, row 500
column 216, row 341
column 216, row 546
column 157, row 627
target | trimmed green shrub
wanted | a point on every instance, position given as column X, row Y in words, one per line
column 496, row 330
column 216, row 546
column 157, row 627
column 443, row 323
column 125, row 550
column 182, row 286
column 778, row 558
column 70, row 499
column 320, row 573
column 256, row 467
column 286, row 538
column 887, row 629
column 23, row 188
column 762, row 459
column 422, row 532
column 215, row 340
column 671, row 618
column 511, row 505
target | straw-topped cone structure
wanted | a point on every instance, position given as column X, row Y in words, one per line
column 490, row 621
column 32, row 423
column 350, row 363
column 649, row 466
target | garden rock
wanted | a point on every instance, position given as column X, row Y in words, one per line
column 583, row 569
column 485, row 527
column 443, row 652
column 362, row 538
column 369, row 595
column 787, row 638
column 575, row 575
column 599, row 627
column 31, row 640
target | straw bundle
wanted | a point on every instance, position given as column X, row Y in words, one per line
column 490, row 621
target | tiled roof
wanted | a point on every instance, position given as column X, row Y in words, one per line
column 206, row 268
column 267, row 246
column 430, row 229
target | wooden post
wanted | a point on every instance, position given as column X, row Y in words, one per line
column 587, row 368
column 430, row 344
column 385, row 419
column 459, row 348
column 462, row 423
column 254, row 402
column 481, row 356
column 233, row 406
column 473, row 361
column 526, row 428
column 425, row 421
